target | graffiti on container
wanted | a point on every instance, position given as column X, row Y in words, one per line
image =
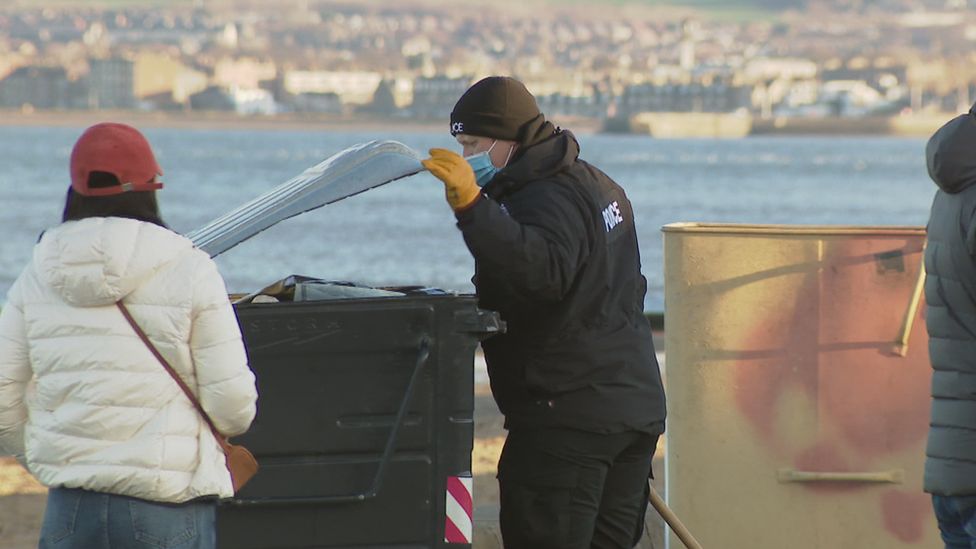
column 833, row 350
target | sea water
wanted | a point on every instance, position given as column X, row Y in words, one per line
column 404, row 233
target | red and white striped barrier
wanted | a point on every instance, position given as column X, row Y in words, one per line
column 458, row 524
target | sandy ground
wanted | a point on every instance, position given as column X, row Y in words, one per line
column 22, row 498
column 21, row 506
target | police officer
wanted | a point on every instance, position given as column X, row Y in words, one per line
column 575, row 374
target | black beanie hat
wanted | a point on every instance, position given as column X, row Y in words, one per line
column 499, row 107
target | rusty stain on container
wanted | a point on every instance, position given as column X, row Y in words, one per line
column 793, row 420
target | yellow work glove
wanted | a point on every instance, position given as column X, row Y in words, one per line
column 457, row 175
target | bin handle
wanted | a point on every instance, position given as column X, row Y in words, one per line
column 374, row 488
column 894, row 476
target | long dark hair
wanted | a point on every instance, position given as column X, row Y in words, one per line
column 141, row 205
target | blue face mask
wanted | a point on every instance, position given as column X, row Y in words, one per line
column 484, row 169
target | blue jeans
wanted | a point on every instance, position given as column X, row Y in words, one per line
column 80, row 519
column 957, row 520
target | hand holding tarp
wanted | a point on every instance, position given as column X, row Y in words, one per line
column 456, row 174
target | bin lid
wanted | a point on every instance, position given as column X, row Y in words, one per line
column 344, row 174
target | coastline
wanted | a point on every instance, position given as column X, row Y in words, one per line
column 723, row 125
column 229, row 120
column 216, row 119
column 899, row 126
column 914, row 125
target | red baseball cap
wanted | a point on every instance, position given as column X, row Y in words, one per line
column 117, row 149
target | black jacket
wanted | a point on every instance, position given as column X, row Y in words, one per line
column 556, row 255
column 950, row 295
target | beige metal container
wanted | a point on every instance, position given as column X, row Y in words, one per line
column 798, row 386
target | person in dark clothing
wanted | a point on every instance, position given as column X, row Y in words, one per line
column 575, row 374
column 950, row 295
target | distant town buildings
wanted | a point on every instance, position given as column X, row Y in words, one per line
column 849, row 59
column 38, row 87
column 111, row 84
column 433, row 96
column 352, row 87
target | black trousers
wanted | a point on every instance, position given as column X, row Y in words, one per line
column 568, row 489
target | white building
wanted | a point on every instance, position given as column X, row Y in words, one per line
column 779, row 68
column 253, row 101
column 852, row 97
column 352, row 87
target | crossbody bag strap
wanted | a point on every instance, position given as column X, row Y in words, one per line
column 176, row 377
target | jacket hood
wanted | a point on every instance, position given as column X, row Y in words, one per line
column 545, row 158
column 100, row 260
column 536, row 131
column 950, row 153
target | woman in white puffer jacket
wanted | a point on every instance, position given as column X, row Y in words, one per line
column 83, row 402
